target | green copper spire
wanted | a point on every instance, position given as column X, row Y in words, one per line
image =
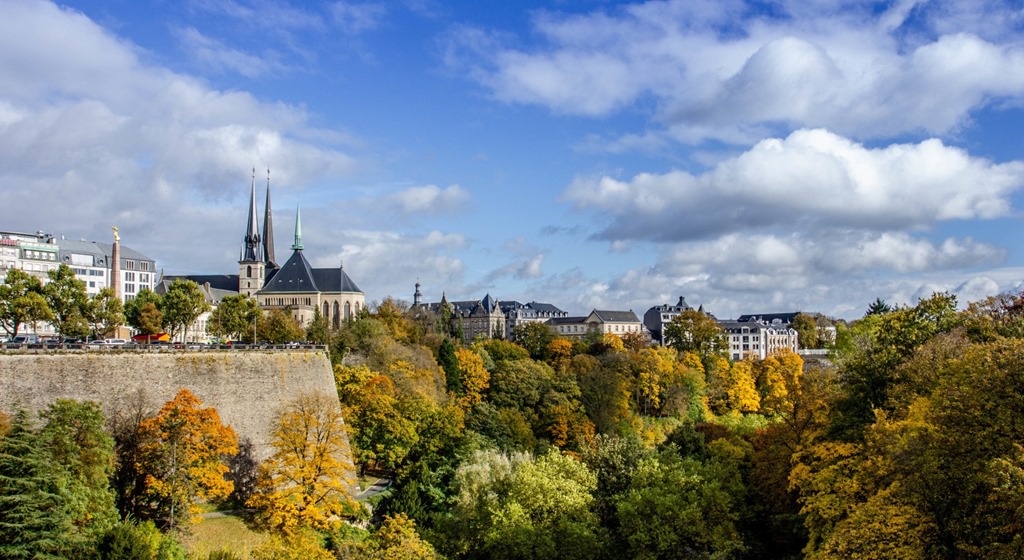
column 297, row 246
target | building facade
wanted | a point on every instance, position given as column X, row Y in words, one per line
column 657, row 317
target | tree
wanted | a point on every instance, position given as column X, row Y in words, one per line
column 21, row 301
column 319, row 329
column 183, row 303
column 105, row 313
column 67, row 299
column 76, row 441
column 279, row 327
column 234, row 318
column 879, row 307
column 305, row 483
column 182, row 457
column 515, row 507
column 33, row 522
column 396, row 539
column 136, row 308
column 694, row 331
column 450, row 365
column 474, row 377
column 678, row 508
column 534, row 337
column 806, row 328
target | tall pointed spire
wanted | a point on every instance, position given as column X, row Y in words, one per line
column 268, row 230
column 297, row 246
column 251, row 250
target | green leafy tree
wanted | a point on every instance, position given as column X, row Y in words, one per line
column 446, row 359
column 515, row 507
column 806, row 328
column 76, row 440
column 135, row 308
column 278, row 327
column 234, row 317
column 21, row 301
column 33, row 519
column 678, row 508
column 397, row 539
column 105, row 313
column 694, row 331
column 183, row 303
column 319, row 329
column 879, row 307
column 535, row 337
column 67, row 299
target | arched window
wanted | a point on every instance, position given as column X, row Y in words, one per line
column 337, row 316
column 348, row 310
column 327, row 312
column 248, row 271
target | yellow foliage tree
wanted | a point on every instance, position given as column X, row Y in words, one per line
column 474, row 377
column 741, row 389
column 559, row 349
column 396, row 539
column 182, row 459
column 301, row 545
column 306, row 482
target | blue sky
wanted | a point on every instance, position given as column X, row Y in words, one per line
column 752, row 156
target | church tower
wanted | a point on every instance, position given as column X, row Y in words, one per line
column 251, row 267
column 268, row 231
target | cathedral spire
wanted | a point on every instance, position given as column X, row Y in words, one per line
column 251, row 250
column 297, row 246
column 268, row 229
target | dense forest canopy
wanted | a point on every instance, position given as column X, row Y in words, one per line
column 906, row 443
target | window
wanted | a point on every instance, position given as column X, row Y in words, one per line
column 129, row 264
column 129, row 288
column 129, row 276
column 143, row 265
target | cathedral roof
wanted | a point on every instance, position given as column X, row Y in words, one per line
column 295, row 275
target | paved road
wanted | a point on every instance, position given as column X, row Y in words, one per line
column 379, row 486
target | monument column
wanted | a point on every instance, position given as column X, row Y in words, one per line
column 115, row 272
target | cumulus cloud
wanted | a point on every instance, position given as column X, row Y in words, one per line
column 723, row 71
column 813, row 178
column 394, row 260
column 85, row 119
column 428, row 199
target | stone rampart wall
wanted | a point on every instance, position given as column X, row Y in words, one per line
column 248, row 388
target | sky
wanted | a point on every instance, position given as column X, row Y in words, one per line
column 753, row 157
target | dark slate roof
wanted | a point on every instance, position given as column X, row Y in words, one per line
column 296, row 275
column 99, row 250
column 769, row 317
column 334, row 280
column 226, row 282
column 544, row 307
column 616, row 316
column 489, row 304
column 566, row 320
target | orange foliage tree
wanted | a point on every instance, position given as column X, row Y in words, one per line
column 182, row 457
column 305, row 483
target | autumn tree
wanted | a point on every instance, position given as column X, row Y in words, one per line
column 21, row 301
column 474, row 378
column 806, row 330
column 397, row 539
column 182, row 457
column 183, row 303
column 66, row 297
column 306, row 482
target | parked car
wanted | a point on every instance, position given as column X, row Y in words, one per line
column 115, row 342
column 25, row 339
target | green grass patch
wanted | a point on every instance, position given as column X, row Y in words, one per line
column 222, row 533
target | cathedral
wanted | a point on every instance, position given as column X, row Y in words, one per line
column 294, row 286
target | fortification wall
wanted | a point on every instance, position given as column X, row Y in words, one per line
column 248, row 388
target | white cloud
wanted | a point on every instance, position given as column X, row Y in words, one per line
column 356, row 18
column 813, row 178
column 428, row 199
column 216, row 56
column 84, row 119
column 723, row 71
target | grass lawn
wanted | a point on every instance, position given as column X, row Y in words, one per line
column 222, row 533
